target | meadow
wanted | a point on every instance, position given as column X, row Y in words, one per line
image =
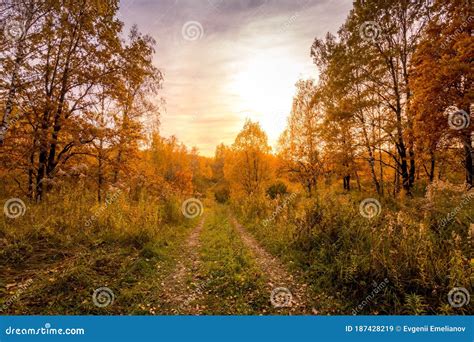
column 331, row 258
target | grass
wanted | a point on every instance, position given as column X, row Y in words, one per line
column 129, row 248
column 51, row 261
column 232, row 282
column 345, row 254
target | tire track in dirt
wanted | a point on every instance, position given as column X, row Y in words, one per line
column 277, row 274
column 177, row 295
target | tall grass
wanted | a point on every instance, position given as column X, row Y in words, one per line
column 348, row 255
column 68, row 245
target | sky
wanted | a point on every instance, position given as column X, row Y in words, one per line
column 228, row 60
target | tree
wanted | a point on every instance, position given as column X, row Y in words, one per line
column 219, row 162
column 138, row 78
column 249, row 168
column 443, row 84
column 300, row 144
column 21, row 21
column 381, row 38
column 75, row 88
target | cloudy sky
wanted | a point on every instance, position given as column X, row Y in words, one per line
column 228, row 60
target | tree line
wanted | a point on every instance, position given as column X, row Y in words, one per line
column 392, row 104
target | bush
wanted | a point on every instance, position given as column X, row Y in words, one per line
column 222, row 195
column 277, row 189
column 172, row 211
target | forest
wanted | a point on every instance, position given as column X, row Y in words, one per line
column 365, row 206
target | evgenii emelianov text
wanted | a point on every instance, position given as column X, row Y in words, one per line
column 433, row 329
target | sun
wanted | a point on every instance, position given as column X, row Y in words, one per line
column 260, row 87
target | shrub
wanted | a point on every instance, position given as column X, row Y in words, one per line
column 222, row 195
column 172, row 211
column 277, row 189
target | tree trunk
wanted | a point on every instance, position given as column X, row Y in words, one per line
column 468, row 158
column 41, row 173
column 100, row 175
column 412, row 172
column 31, row 170
column 371, row 158
column 347, row 182
column 402, row 152
column 432, row 166
column 396, row 179
column 380, row 157
column 42, row 157
column 358, row 180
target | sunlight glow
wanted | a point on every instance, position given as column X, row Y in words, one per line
column 262, row 92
